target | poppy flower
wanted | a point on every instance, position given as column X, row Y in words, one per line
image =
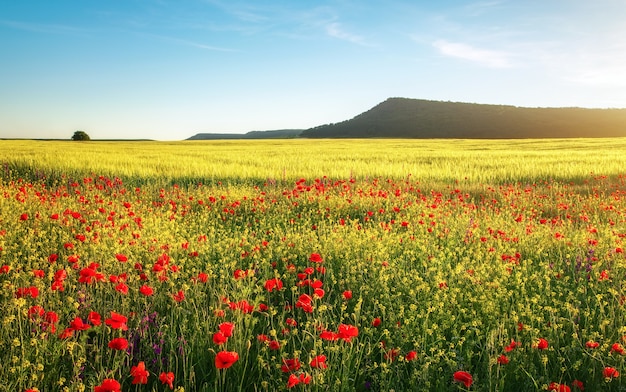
column 511, row 346
column 617, row 348
column 118, row 344
column 167, row 379
column 94, row 318
column 503, row 360
column 146, row 290
column 290, row 365
column 219, row 338
column 319, row 293
column 227, row 329
column 117, row 321
column 108, row 385
column 556, row 387
column 179, row 297
column 78, row 325
column 347, row 295
column 411, row 356
column 226, row 359
column 292, row 381
column 319, row 362
column 272, row 284
column 542, row 344
column 305, row 303
column 121, row 258
column 592, row 344
column 139, row 373
column 610, row 372
column 578, row 385
column 347, row 332
column 376, row 322
column 316, row 258
column 328, row 335
column 463, row 377
column 274, row 345
column 122, row 288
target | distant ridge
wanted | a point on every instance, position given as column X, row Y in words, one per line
column 277, row 134
column 417, row 118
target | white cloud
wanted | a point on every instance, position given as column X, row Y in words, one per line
column 335, row 30
column 484, row 57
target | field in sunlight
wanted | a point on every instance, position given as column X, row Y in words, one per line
column 327, row 265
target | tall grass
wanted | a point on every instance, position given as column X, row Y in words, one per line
column 259, row 161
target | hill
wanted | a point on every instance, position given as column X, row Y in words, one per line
column 277, row 134
column 416, row 118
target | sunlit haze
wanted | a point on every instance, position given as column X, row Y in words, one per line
column 167, row 69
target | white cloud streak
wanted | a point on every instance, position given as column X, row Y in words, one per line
column 483, row 57
column 335, row 30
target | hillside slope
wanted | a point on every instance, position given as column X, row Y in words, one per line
column 416, row 118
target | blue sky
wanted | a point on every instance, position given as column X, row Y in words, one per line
column 167, row 69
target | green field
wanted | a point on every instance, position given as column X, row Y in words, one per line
column 326, row 265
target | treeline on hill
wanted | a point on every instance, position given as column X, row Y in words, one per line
column 416, row 118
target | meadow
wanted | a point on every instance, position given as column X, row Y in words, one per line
column 326, row 265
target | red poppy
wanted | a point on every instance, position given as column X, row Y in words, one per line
column 226, row 359
column 167, row 379
column 512, row 346
column 617, row 348
column 376, row 322
column 503, row 360
column 463, row 377
column 347, row 294
column 290, row 365
column 227, row 329
column 118, row 344
column 219, row 338
column 36, row 311
column 272, row 284
column 108, row 385
column 139, row 373
column 274, row 345
column 411, row 356
column 122, row 288
column 292, row 381
column 316, row 258
column 319, row 293
column 328, row 335
column 347, row 332
column 179, row 297
column 592, row 344
column 94, row 318
column 24, row 217
column 117, row 321
column 146, row 290
column 610, row 372
column 556, row 387
column 78, row 325
column 542, row 344
column 578, row 384
column 319, row 362
column 305, row 303
column 122, row 258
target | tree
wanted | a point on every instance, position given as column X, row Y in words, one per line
column 80, row 135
